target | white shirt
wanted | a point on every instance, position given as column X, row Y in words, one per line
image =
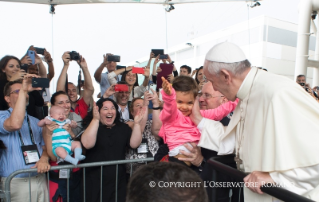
column 125, row 115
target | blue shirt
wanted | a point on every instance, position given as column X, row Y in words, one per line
column 105, row 84
column 11, row 159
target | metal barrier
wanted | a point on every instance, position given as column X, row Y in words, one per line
column 6, row 191
column 217, row 163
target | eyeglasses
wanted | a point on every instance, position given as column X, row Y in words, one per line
column 15, row 91
column 207, row 96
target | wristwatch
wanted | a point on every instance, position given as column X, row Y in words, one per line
column 156, row 108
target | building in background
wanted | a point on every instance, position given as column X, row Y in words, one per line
column 267, row 42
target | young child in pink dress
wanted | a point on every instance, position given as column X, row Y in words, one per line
column 178, row 128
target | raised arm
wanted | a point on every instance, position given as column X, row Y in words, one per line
column 42, row 69
column 220, row 112
column 62, row 78
column 88, row 138
column 49, row 61
column 146, row 76
column 88, row 85
column 136, row 137
column 169, row 112
column 112, row 75
column 156, row 122
column 98, row 71
column 15, row 121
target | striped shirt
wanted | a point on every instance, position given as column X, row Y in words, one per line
column 11, row 159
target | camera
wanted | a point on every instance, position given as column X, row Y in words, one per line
column 74, row 55
column 113, row 58
column 302, row 84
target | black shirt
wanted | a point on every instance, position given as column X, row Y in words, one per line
column 111, row 145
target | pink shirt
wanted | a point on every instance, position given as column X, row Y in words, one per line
column 178, row 129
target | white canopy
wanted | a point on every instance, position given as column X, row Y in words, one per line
column 61, row 2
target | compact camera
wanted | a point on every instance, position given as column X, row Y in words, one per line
column 74, row 55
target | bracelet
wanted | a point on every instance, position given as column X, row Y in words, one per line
column 156, row 108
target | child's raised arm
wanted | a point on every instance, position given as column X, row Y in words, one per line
column 169, row 112
column 220, row 112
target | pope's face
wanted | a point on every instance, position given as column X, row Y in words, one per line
column 221, row 83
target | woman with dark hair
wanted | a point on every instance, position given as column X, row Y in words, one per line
column 58, row 187
column 106, row 138
column 149, row 145
column 132, row 80
column 199, row 78
column 10, row 71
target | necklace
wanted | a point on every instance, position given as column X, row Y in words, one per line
column 237, row 158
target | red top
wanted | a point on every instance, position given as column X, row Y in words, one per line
column 81, row 108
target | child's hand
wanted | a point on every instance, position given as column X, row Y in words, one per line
column 73, row 124
column 167, row 87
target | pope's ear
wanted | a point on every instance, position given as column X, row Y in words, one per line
column 225, row 75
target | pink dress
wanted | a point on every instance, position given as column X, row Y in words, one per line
column 178, row 129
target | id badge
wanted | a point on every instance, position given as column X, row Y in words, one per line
column 64, row 173
column 143, row 148
column 30, row 154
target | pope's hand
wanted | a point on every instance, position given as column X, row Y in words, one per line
column 256, row 179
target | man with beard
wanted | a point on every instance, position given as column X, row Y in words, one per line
column 81, row 106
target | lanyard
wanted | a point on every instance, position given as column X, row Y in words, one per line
column 30, row 132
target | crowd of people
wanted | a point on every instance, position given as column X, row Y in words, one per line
column 187, row 118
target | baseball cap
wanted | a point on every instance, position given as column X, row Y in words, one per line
column 225, row 52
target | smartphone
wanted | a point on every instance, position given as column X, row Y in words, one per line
column 157, row 52
column 25, row 67
column 137, row 70
column 114, row 58
column 121, row 88
column 120, row 67
column 40, row 82
column 167, row 69
column 31, row 54
column 39, row 50
column 163, row 57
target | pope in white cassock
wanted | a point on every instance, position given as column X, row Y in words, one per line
column 274, row 131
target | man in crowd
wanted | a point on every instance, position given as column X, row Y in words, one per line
column 81, row 106
column 101, row 78
column 274, row 129
column 185, row 70
column 150, row 184
column 24, row 144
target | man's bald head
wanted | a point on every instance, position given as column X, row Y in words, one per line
column 210, row 98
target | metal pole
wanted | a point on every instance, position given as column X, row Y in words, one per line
column 315, row 81
column 303, row 38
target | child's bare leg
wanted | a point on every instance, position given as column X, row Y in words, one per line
column 76, row 147
column 61, row 152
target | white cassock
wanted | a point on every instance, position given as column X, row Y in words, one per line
column 275, row 126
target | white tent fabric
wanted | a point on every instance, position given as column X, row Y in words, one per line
column 61, row 2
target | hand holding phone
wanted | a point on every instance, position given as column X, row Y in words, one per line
column 40, row 82
column 39, row 50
